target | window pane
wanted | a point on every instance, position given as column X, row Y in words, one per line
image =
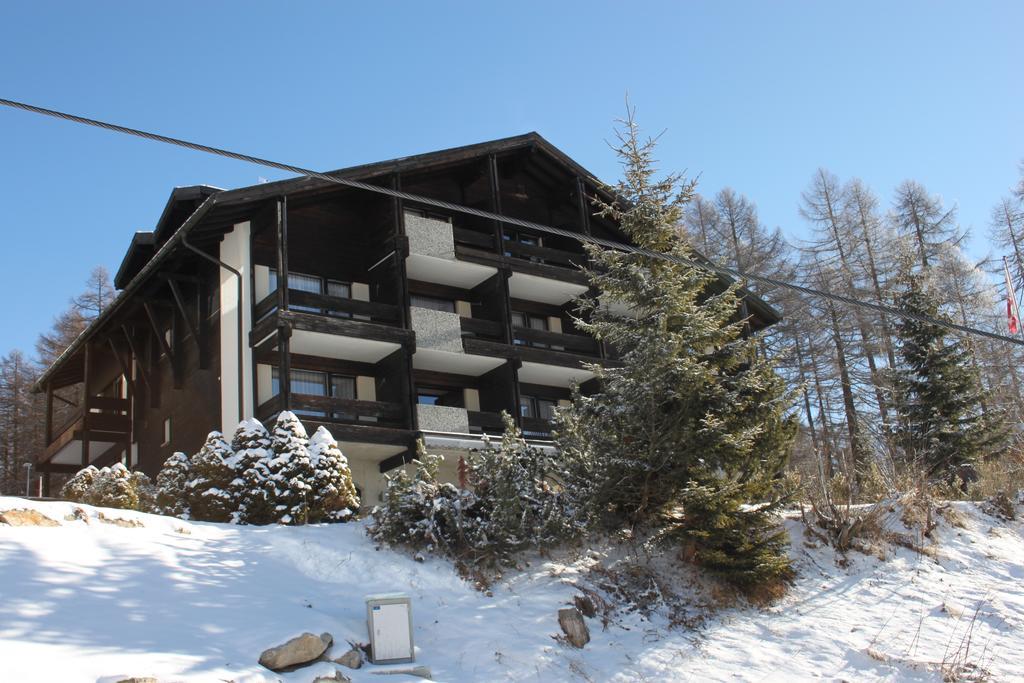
column 432, row 303
column 308, row 382
column 545, row 408
column 518, row 319
column 341, row 289
column 538, row 323
column 526, row 408
column 343, row 387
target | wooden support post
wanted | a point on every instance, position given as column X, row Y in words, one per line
column 49, row 414
column 581, row 198
column 284, row 366
column 492, row 176
column 157, row 332
column 46, row 483
column 282, row 254
column 203, row 326
column 398, row 209
column 86, row 381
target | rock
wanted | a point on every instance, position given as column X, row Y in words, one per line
column 353, row 659
column 575, row 629
column 119, row 521
column 299, row 650
column 421, row 671
column 138, row 679
column 338, row 677
column 327, row 638
column 26, row 518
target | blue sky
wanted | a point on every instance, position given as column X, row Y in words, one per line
column 751, row 95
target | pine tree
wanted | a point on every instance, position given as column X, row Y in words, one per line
column 941, row 427
column 210, row 477
column 334, row 494
column 693, row 403
column 172, row 486
column 291, row 470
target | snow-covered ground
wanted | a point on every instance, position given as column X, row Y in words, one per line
column 181, row 601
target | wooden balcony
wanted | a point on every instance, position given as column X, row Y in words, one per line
column 556, row 341
column 331, row 306
column 535, row 427
column 330, row 409
column 480, row 247
column 101, row 420
column 490, row 423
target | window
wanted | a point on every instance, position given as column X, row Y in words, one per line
column 423, row 213
column 522, row 238
column 343, row 387
column 315, row 285
column 313, row 383
column 435, row 396
column 167, row 432
column 533, row 322
column 432, row 302
column 532, row 406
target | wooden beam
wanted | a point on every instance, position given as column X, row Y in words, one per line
column 87, row 376
column 137, row 357
column 157, row 332
column 125, row 370
column 48, row 428
column 180, row 301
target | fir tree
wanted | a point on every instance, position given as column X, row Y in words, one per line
column 210, row 477
column 941, row 427
column 252, row 490
column 692, row 404
column 290, row 469
column 334, row 494
column 172, row 486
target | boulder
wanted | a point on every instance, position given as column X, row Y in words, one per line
column 299, row 650
column 338, row 677
column 575, row 629
column 353, row 659
column 26, row 518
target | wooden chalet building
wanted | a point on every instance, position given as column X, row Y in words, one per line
column 381, row 319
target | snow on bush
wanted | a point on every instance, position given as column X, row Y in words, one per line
column 257, row 478
column 113, row 487
column 508, row 501
column 334, row 494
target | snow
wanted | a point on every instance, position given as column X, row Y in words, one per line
column 186, row 601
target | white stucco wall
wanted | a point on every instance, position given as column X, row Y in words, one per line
column 234, row 251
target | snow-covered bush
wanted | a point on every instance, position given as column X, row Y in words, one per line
column 209, row 484
column 334, row 494
column 253, row 488
column 512, row 502
column 291, row 470
column 258, row 478
column 172, row 486
column 113, row 487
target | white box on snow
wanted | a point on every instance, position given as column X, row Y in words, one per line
column 389, row 619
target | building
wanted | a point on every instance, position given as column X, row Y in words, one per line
column 380, row 318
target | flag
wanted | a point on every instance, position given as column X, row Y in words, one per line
column 1012, row 314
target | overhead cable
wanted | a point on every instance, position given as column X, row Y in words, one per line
column 539, row 227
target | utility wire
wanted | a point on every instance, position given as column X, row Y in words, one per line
column 551, row 230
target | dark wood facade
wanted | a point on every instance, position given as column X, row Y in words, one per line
column 339, row 289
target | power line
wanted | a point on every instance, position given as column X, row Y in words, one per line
column 539, row 227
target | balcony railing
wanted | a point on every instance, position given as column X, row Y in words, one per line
column 473, row 239
column 536, row 428
column 333, row 409
column 558, row 341
column 334, row 306
column 483, row 329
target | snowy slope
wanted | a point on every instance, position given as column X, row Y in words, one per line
column 199, row 602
